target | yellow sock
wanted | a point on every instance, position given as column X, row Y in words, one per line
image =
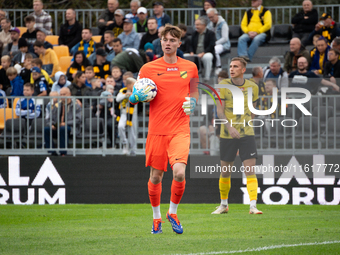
column 252, row 187
column 224, row 185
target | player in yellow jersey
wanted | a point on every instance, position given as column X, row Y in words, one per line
column 237, row 137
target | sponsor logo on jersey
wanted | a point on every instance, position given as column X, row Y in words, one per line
column 172, row 69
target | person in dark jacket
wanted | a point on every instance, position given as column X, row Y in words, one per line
column 304, row 22
column 161, row 17
column 206, row 51
column 151, row 35
column 79, row 64
column 70, row 32
column 185, row 46
column 332, row 67
column 326, row 27
column 78, row 87
column 107, row 17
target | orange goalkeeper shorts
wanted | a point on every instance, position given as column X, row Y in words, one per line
column 160, row 149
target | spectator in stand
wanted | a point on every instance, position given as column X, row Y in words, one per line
column 4, row 81
column 203, row 45
column 275, row 71
column 42, row 19
column 207, row 5
column 266, row 103
column 78, row 87
column 141, row 25
column 41, row 87
column 129, row 60
column 3, row 101
column 50, row 61
column 117, row 25
column 26, row 107
column 336, row 43
column 257, row 78
column 31, row 34
column 117, row 76
column 106, row 107
column 302, row 78
column 326, row 27
column 17, row 83
column 218, row 25
column 101, row 67
column 62, row 119
column 129, row 37
column 151, row 35
column 61, row 81
column 106, row 18
column 52, row 103
column 38, row 63
column 41, row 37
column 5, row 35
column 304, row 22
column 79, row 64
column 94, row 91
column 158, row 13
column 70, row 32
column 320, row 56
column 19, row 58
column 315, row 40
column 87, row 44
column 89, row 74
column 12, row 48
column 108, row 41
column 148, row 47
column 25, row 72
column 332, row 66
column 134, row 5
column 256, row 25
column 3, row 15
column 296, row 50
column 127, row 118
column 185, row 45
column 157, row 47
column 127, row 75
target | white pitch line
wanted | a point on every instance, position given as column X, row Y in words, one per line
column 262, row 248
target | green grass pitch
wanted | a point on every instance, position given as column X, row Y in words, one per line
column 125, row 229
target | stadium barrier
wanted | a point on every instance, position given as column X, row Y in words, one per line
column 119, row 179
column 233, row 15
column 292, row 134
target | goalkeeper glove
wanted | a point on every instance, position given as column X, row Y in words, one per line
column 137, row 96
column 189, row 105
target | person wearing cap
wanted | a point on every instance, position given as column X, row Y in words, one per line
column 134, row 5
column 129, row 38
column 24, row 49
column 50, row 61
column 326, row 27
column 5, row 35
column 158, row 13
column 87, row 44
column 41, row 37
column 101, row 67
column 41, row 87
column 304, row 21
column 70, row 32
column 152, row 33
column 107, row 17
column 42, row 18
column 117, row 25
column 12, row 48
column 141, row 25
column 31, row 34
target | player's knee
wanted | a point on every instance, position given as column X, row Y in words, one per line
column 179, row 176
column 155, row 179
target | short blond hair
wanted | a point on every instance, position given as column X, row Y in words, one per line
column 130, row 80
column 172, row 30
column 6, row 58
column 11, row 71
column 241, row 60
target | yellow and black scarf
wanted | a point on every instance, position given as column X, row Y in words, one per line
column 90, row 49
column 129, row 108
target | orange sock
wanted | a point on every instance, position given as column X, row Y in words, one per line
column 155, row 191
column 177, row 190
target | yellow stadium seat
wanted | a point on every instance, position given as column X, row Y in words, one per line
column 97, row 38
column 61, row 51
column 9, row 115
column 22, row 30
column 64, row 63
column 52, row 39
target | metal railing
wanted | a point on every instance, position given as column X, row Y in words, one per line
column 316, row 134
column 233, row 15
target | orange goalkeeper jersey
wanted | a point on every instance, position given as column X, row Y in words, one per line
column 173, row 85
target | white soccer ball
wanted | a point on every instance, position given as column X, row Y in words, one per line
column 148, row 87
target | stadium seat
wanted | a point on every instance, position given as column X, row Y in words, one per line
column 92, row 130
column 190, row 30
column 6, row 114
column 14, row 104
column 22, row 30
column 61, row 51
column 281, row 34
column 235, row 32
column 306, row 133
column 97, row 38
column 34, row 135
column 335, row 103
column 64, row 63
column 331, row 136
column 323, row 113
column 52, row 39
column 14, row 128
